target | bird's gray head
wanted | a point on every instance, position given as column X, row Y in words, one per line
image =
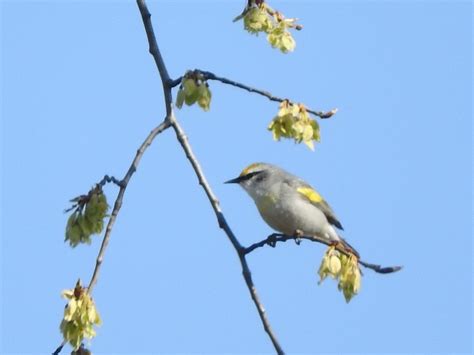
column 256, row 177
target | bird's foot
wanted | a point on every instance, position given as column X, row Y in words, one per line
column 298, row 234
column 338, row 245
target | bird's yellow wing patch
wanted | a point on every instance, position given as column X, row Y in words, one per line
column 310, row 194
column 249, row 169
column 317, row 200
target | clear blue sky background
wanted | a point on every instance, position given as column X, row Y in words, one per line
column 79, row 94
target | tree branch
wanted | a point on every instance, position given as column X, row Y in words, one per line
column 155, row 52
column 181, row 136
column 211, row 76
column 277, row 237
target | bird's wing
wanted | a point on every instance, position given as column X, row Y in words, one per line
column 316, row 199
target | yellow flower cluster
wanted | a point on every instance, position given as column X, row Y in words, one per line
column 80, row 316
column 257, row 20
column 293, row 121
column 87, row 218
column 343, row 268
column 259, row 17
column 194, row 88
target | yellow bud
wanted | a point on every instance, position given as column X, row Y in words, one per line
column 257, row 20
column 204, row 97
column 190, row 91
column 334, row 265
column 180, row 98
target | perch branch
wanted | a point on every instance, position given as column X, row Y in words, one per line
column 277, row 237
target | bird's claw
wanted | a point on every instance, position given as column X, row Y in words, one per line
column 271, row 240
column 298, row 234
column 336, row 244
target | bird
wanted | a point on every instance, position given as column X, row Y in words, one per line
column 290, row 205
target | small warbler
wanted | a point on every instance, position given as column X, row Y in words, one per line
column 290, row 205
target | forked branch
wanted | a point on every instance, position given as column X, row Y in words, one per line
column 170, row 121
column 181, row 136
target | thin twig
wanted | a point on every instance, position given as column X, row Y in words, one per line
column 211, row 76
column 107, row 179
column 181, row 136
column 277, row 237
column 175, row 82
column 81, row 200
column 118, row 201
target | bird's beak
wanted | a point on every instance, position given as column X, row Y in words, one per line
column 234, row 181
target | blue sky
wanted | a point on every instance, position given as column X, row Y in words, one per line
column 80, row 93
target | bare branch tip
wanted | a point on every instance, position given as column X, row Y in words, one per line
column 329, row 114
column 59, row 348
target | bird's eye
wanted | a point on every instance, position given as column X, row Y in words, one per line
column 260, row 177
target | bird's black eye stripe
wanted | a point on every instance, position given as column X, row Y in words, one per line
column 250, row 175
